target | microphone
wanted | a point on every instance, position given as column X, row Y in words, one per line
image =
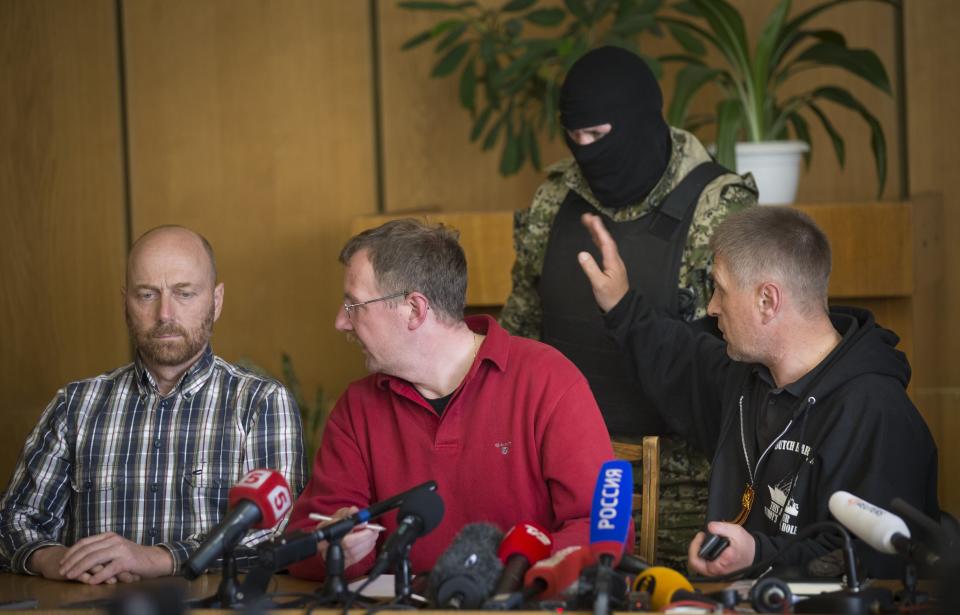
column 632, row 565
column 552, row 576
column 466, row 572
column 259, row 500
column 524, row 545
column 420, row 512
column 882, row 530
column 610, row 518
column 298, row 546
column 665, row 586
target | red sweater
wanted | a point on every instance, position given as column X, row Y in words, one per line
column 522, row 439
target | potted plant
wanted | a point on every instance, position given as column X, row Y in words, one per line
column 753, row 108
column 512, row 60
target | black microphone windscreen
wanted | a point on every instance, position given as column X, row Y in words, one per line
column 424, row 504
column 466, row 573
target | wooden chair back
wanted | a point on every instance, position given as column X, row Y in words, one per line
column 648, row 454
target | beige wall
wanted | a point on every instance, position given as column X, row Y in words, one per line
column 61, row 206
column 933, row 138
column 253, row 123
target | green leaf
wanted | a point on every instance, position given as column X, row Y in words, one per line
column 528, row 62
column 511, row 157
column 468, row 86
column 511, row 89
column 290, row 377
column 827, row 36
column 545, row 17
column 687, row 40
column 878, row 142
column 767, row 44
column 451, row 37
column 480, row 124
column 488, row 49
column 448, row 63
column 420, row 5
column 517, row 5
column 788, row 42
column 861, row 62
column 792, row 27
column 681, row 58
column 513, row 27
column 490, row 83
column 634, row 24
column 419, row 39
column 646, row 6
column 762, row 64
column 693, row 29
column 550, row 107
column 727, row 26
column 654, row 64
column 532, row 147
column 729, row 120
column 839, row 146
column 802, row 131
column 491, row 138
column 689, row 81
column 687, row 8
column 578, row 9
column 695, row 122
column 600, row 9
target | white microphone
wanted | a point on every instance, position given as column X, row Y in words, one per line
column 881, row 529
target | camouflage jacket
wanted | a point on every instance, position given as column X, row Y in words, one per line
column 522, row 314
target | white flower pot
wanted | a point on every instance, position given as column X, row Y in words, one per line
column 775, row 166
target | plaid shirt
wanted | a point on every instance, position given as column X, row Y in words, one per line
column 110, row 454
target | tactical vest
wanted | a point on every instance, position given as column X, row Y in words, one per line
column 652, row 248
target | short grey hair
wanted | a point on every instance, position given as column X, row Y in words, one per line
column 776, row 241
column 409, row 255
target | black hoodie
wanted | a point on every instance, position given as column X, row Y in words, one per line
column 847, row 425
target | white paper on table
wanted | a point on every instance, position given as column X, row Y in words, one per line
column 382, row 587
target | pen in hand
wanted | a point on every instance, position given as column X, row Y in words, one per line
column 372, row 526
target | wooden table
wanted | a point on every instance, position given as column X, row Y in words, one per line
column 54, row 595
column 57, row 596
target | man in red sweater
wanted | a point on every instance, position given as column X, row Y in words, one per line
column 506, row 426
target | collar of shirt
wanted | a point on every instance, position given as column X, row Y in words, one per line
column 845, row 325
column 191, row 381
column 494, row 350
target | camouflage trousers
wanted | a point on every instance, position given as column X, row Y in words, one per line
column 683, row 500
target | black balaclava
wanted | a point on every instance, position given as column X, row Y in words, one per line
column 614, row 86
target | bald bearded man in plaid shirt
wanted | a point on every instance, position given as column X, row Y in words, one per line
column 126, row 472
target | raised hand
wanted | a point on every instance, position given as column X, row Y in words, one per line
column 609, row 281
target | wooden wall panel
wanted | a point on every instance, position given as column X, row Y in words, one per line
column 933, row 136
column 61, row 206
column 251, row 122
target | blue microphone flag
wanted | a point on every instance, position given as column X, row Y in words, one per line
column 610, row 514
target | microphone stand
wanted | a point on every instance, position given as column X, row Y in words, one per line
column 403, row 577
column 909, row 595
column 228, row 594
column 601, row 601
column 334, row 588
column 854, row 599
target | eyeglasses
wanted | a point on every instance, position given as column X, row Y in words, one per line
column 350, row 307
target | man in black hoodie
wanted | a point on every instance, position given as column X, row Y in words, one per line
column 797, row 401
